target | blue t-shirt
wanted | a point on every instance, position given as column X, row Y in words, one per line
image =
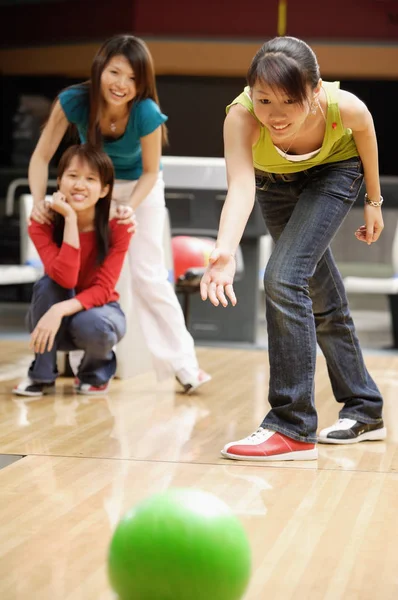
column 125, row 151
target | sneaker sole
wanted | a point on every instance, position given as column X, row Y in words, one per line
column 189, row 389
column 101, row 393
column 299, row 455
column 377, row 435
column 33, row 394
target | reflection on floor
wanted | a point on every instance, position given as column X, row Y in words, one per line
column 320, row 530
column 330, row 524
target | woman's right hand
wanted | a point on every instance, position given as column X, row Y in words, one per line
column 41, row 213
column 218, row 278
column 59, row 204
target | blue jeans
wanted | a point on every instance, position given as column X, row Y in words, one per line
column 96, row 331
column 306, row 302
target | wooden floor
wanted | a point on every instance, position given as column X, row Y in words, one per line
column 321, row 530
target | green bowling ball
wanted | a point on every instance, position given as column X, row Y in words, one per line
column 179, row 545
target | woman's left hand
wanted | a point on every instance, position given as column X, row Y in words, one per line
column 374, row 225
column 125, row 215
column 43, row 335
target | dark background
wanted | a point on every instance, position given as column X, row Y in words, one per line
column 196, row 109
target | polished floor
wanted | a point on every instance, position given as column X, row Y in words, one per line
column 320, row 530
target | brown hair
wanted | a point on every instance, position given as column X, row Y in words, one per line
column 286, row 63
column 101, row 164
column 140, row 59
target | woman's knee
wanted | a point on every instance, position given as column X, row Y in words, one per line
column 96, row 333
column 49, row 288
column 283, row 280
column 46, row 293
column 103, row 339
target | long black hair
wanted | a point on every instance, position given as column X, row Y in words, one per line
column 286, row 63
column 101, row 164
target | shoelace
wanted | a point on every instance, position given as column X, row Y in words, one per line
column 261, row 434
column 342, row 421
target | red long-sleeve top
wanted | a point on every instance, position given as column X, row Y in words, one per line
column 77, row 268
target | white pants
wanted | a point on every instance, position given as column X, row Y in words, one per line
column 154, row 301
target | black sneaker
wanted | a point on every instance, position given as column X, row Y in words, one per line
column 349, row 431
column 28, row 387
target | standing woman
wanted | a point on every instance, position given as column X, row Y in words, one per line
column 118, row 110
column 301, row 147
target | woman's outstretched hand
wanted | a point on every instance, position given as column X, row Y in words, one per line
column 218, row 278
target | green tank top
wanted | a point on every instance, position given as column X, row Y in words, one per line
column 338, row 142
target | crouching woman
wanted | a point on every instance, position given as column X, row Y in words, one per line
column 75, row 305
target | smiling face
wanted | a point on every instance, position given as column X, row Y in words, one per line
column 81, row 185
column 118, row 82
column 283, row 116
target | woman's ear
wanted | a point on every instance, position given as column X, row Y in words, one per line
column 318, row 89
column 104, row 191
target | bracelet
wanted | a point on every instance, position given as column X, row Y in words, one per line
column 372, row 202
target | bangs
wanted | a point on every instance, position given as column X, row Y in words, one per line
column 98, row 162
column 279, row 72
column 126, row 52
column 134, row 51
column 83, row 156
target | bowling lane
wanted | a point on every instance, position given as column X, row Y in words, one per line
column 145, row 420
column 332, row 532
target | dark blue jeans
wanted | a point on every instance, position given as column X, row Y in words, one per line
column 306, row 302
column 96, row 331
